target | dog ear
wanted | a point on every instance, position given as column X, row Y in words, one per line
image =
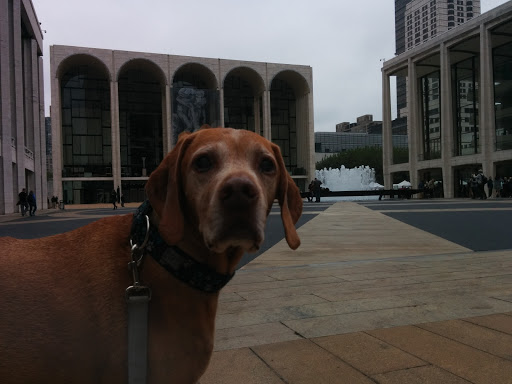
column 164, row 188
column 290, row 201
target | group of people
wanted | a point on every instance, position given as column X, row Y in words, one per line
column 499, row 187
column 431, row 188
column 116, row 197
column 27, row 202
column 315, row 190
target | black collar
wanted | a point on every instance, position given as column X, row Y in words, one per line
column 183, row 267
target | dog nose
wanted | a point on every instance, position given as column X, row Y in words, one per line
column 238, row 192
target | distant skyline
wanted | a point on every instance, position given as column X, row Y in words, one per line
column 344, row 42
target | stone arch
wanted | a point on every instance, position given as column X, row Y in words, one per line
column 141, row 94
column 194, row 99
column 145, row 65
column 85, row 123
column 82, row 59
column 242, row 90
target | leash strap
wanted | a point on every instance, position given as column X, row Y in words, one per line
column 137, row 299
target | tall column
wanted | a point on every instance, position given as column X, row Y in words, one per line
column 9, row 188
column 310, row 131
column 387, row 138
column 38, row 126
column 266, row 115
column 486, row 123
column 55, row 114
column 446, row 122
column 43, row 175
column 166, row 128
column 172, row 127
column 413, row 124
column 221, row 106
column 114, row 127
column 19, row 117
column 256, row 108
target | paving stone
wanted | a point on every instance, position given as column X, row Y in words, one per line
column 485, row 339
column 461, row 360
column 240, row 306
column 368, row 354
column 420, row 375
column 238, row 366
column 303, row 362
column 251, row 317
column 499, row 322
column 239, row 337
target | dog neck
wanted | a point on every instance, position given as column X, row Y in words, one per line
column 176, row 260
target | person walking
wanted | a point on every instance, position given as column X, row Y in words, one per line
column 490, row 184
column 317, row 189
column 497, row 186
column 113, row 198
column 22, row 201
column 32, row 203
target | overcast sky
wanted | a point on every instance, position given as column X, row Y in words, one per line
column 344, row 41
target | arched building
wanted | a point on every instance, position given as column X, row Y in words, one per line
column 115, row 114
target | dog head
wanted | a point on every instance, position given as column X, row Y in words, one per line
column 222, row 182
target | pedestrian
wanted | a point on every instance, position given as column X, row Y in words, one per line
column 490, row 183
column 22, row 201
column 113, row 198
column 118, row 196
column 311, row 186
column 32, row 203
column 481, row 182
column 497, row 186
column 317, row 189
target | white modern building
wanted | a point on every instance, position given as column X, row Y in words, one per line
column 22, row 134
column 115, row 114
column 459, row 101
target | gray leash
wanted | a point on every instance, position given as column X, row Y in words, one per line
column 137, row 299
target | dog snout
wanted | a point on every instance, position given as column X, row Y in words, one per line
column 238, row 192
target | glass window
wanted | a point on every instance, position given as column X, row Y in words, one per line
column 465, row 79
column 503, row 96
column 430, row 108
column 140, row 122
column 283, row 121
column 86, row 131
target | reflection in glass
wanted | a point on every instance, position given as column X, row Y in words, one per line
column 140, row 123
column 238, row 103
column 193, row 104
column 283, row 117
column 87, row 192
column 465, row 77
column 503, row 96
column 431, row 115
column 86, row 131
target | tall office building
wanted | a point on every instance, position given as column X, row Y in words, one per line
column 417, row 21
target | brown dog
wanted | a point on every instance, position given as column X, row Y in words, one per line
column 63, row 315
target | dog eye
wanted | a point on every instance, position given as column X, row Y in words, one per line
column 203, row 163
column 267, row 166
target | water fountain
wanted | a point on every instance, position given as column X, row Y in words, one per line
column 348, row 179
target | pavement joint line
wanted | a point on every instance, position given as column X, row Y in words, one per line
column 442, row 210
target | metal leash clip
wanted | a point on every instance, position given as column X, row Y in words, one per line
column 138, row 292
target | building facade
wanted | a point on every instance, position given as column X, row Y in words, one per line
column 331, row 143
column 460, row 104
column 22, row 134
column 417, row 21
column 115, row 114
